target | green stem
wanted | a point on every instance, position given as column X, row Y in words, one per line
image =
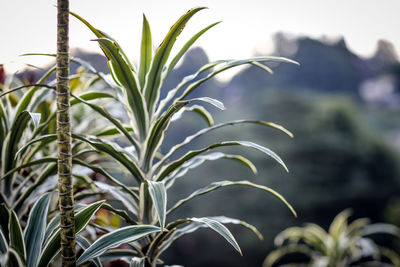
column 66, row 200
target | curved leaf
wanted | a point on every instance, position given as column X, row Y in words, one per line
column 212, row 128
column 200, row 110
column 216, row 185
column 114, row 239
column 16, row 236
column 103, row 112
column 115, row 152
column 10, row 144
column 84, row 244
column 128, row 201
column 187, row 45
column 229, row 65
column 185, row 81
column 157, row 131
column 127, row 79
column 35, row 229
column 220, row 229
column 14, row 259
column 198, row 160
column 173, row 166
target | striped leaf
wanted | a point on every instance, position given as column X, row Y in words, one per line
column 185, row 81
column 115, row 151
column 220, row 229
column 193, row 137
column 84, row 244
column 124, row 75
column 200, row 110
column 198, row 160
column 227, row 66
column 217, row 185
column 16, row 236
column 187, row 45
column 175, row 165
column 35, row 229
column 161, row 55
column 114, row 239
column 157, row 131
column 158, row 194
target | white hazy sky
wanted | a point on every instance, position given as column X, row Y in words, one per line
column 29, row 25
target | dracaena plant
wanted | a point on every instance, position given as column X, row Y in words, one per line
column 155, row 171
column 28, row 165
column 344, row 244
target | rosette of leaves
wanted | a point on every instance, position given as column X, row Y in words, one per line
column 344, row 244
column 154, row 172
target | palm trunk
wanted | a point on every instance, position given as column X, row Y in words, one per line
column 66, row 200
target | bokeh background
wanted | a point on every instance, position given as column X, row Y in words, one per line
column 342, row 104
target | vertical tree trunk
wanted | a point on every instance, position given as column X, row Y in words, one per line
column 66, row 201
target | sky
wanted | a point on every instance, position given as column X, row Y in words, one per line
column 29, row 26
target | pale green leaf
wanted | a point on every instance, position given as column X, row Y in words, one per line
column 35, row 229
column 158, row 194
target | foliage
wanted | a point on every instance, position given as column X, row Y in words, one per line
column 38, row 242
column 154, row 172
column 344, row 244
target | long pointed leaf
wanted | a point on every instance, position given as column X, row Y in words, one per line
column 220, row 229
column 114, row 151
column 114, row 239
column 146, row 52
column 193, row 137
column 84, row 244
column 16, row 236
column 157, row 131
column 216, row 185
column 187, row 45
column 229, row 65
column 198, row 160
column 158, row 194
column 35, row 229
column 127, row 79
column 154, row 77
column 173, row 166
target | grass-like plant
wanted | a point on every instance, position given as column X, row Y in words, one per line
column 153, row 170
column 342, row 245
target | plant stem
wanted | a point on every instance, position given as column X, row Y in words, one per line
column 66, row 200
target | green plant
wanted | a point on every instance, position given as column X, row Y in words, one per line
column 344, row 244
column 153, row 171
column 39, row 242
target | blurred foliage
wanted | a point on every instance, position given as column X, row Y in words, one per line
column 344, row 244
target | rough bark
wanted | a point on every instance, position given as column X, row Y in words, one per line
column 66, row 200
